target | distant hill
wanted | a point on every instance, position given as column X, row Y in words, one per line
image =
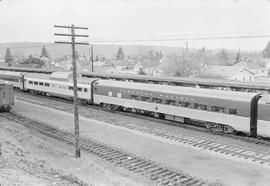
column 57, row 50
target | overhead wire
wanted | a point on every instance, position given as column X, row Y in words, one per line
column 160, row 39
column 25, row 47
column 183, row 39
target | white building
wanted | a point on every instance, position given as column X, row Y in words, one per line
column 155, row 71
column 233, row 73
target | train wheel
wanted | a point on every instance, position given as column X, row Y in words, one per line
column 111, row 107
column 228, row 129
column 8, row 108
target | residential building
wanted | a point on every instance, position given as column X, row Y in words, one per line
column 233, row 73
column 155, row 71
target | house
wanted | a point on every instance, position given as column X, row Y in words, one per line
column 137, row 69
column 130, row 66
column 250, row 63
column 120, row 65
column 194, row 73
column 233, row 73
column 155, row 71
column 27, row 65
column 261, row 72
column 260, row 67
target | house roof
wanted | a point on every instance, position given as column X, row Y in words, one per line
column 128, row 64
column 65, row 76
column 120, row 63
column 250, row 63
column 224, row 71
column 29, row 65
column 151, row 69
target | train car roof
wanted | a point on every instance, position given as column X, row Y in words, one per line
column 5, row 83
column 201, row 92
column 144, row 78
column 47, row 77
column 10, row 73
column 184, row 80
column 29, row 70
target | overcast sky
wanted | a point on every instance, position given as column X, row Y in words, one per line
column 33, row 20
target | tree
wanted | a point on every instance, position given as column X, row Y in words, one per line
column 8, row 57
column 96, row 58
column 172, row 65
column 266, row 51
column 223, row 57
column 120, row 54
column 44, row 52
column 141, row 72
column 160, row 55
column 238, row 57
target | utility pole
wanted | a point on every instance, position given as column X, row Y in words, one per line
column 185, row 57
column 73, row 43
column 186, row 43
column 92, row 58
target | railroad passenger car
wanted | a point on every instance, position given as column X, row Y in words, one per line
column 14, row 78
column 221, row 110
column 45, row 84
column 6, row 96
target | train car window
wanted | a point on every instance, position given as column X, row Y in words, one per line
column 184, row 104
column 200, row 106
column 218, row 109
column 35, row 83
column 170, row 102
column 134, row 97
column 80, row 89
column 85, row 89
column 47, row 84
column 232, row 111
column 70, row 88
column 144, row 98
column 30, row 82
column 157, row 100
column 41, row 83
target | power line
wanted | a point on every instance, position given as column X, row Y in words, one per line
column 185, row 38
column 25, row 47
column 150, row 40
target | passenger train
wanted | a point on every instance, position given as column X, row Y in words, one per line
column 220, row 110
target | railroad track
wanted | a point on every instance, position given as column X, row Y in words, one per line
column 158, row 173
column 198, row 142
